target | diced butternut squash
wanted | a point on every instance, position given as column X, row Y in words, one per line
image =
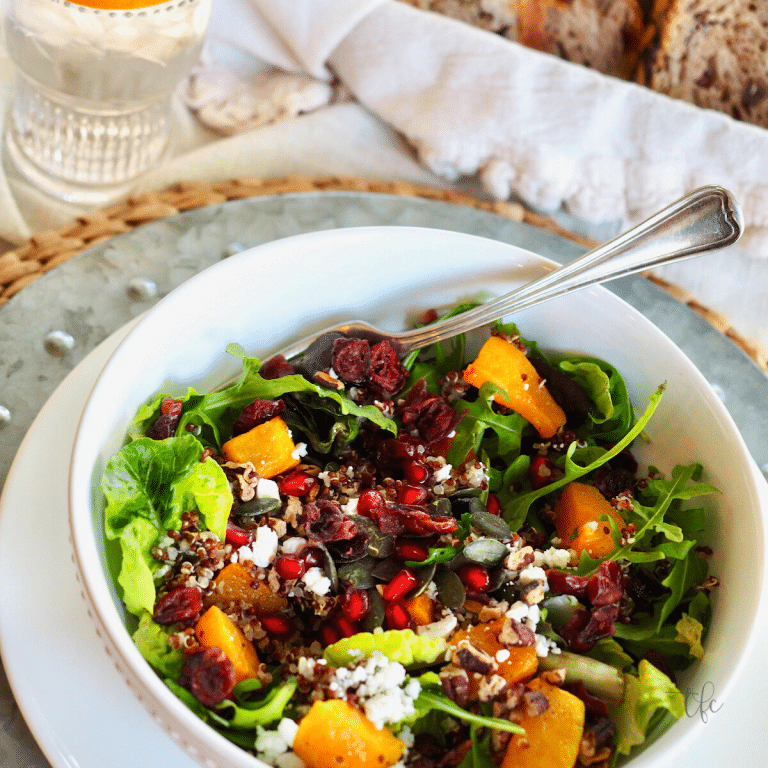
column 214, row 629
column 577, row 520
column 507, row 366
column 421, row 608
column 334, row 734
column 268, row 446
column 520, row 665
column 552, row 738
column 236, row 584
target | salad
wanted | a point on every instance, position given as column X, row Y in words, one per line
column 437, row 561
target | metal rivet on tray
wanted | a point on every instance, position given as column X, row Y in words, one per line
column 141, row 289
column 58, row 343
column 232, row 249
column 5, row 416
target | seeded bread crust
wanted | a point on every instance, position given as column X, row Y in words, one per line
column 606, row 35
column 714, row 53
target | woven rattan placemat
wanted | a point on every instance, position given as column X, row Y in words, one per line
column 46, row 250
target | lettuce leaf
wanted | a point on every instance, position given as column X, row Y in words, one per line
column 148, row 485
column 649, row 698
column 152, row 641
column 402, row 645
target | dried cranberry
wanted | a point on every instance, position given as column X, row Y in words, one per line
column 180, row 604
column 387, row 374
column 351, row 360
column 256, row 413
column 606, row 586
column 582, row 631
column 166, row 423
column 613, row 482
column 213, row 678
column 567, row 584
column 297, row 483
column 323, row 520
column 593, row 704
column 276, row 367
column 397, row 519
column 434, row 418
column 352, row 548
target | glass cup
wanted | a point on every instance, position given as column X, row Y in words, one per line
column 92, row 102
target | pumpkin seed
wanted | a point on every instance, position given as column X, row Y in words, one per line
column 330, row 570
column 425, row 576
column 375, row 616
column 256, row 507
column 380, row 545
column 485, row 551
column 358, row 573
column 387, row 569
column 450, row 590
column 441, row 506
column 491, row 525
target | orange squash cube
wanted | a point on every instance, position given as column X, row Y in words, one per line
column 268, row 446
column 214, row 629
column 552, row 738
column 507, row 366
column 578, row 511
column 236, row 584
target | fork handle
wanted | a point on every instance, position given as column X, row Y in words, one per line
column 705, row 220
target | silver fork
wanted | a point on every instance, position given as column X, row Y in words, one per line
column 705, row 220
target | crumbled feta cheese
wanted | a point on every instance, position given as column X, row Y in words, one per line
column 293, row 544
column 300, row 451
column 502, row 655
column 325, row 479
column 443, row 473
column 524, row 613
column 316, row 581
column 531, row 573
column 287, row 728
column 269, row 744
column 262, row 550
column 551, row 558
column 267, row 489
column 350, row 508
column 591, row 526
column 545, row 646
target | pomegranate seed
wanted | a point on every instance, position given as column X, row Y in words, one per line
column 493, row 505
column 368, row 501
column 290, row 567
column 402, row 583
column 298, row 483
column 410, row 550
column 475, row 576
column 541, row 472
column 412, row 494
column 329, row 635
column 415, row 472
column 355, row 604
column 346, row 627
column 280, row 626
column 237, row 537
column 312, row 557
column 397, row 616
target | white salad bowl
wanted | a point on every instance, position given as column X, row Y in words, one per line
column 275, row 293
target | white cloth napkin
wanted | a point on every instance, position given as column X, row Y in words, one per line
column 527, row 123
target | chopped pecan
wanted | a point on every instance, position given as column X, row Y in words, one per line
column 324, row 379
column 597, row 743
column 514, row 634
column 519, row 559
column 491, row 688
column 554, row 676
column 455, row 684
column 535, row 703
column 533, row 592
column 492, row 612
column 474, row 659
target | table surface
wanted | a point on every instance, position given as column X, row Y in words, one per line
column 101, row 290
